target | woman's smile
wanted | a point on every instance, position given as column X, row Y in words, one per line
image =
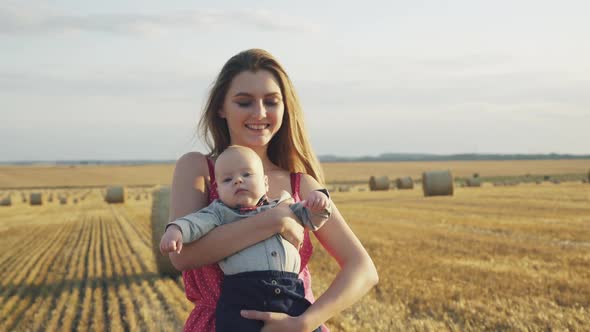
column 257, row 127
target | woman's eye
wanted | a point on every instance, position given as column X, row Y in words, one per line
column 243, row 103
column 272, row 102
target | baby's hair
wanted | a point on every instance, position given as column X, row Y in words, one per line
column 244, row 150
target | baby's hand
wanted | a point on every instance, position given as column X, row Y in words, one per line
column 317, row 201
column 171, row 240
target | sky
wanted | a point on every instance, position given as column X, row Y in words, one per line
column 111, row 80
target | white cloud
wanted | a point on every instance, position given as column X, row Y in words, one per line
column 30, row 21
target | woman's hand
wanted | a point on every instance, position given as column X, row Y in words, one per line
column 276, row 321
column 291, row 229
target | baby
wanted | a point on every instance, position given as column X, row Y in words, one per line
column 263, row 276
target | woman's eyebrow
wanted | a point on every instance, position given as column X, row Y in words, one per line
column 245, row 94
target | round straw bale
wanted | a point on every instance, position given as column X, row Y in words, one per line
column 6, row 201
column 378, row 183
column 75, row 201
column 437, row 183
column 405, row 182
column 556, row 181
column 473, row 182
column 137, row 197
column 344, row 188
column 63, row 200
column 159, row 219
column 115, row 194
column 36, row 199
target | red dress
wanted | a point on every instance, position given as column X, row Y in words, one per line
column 203, row 285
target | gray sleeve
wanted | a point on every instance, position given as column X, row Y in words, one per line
column 196, row 225
column 304, row 215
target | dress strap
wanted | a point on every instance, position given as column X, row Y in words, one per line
column 213, row 195
column 295, row 186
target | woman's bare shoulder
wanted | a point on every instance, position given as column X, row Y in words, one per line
column 189, row 185
column 192, row 163
column 308, row 184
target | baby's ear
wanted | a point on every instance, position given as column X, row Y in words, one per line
column 266, row 183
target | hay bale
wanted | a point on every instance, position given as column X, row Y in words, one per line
column 159, row 219
column 63, row 200
column 36, row 199
column 473, row 182
column 476, row 175
column 75, row 201
column 379, row 183
column 437, row 183
column 138, row 197
column 115, row 194
column 6, row 201
column 405, row 182
column 556, row 181
column 344, row 188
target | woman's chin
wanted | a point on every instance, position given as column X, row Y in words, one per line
column 255, row 142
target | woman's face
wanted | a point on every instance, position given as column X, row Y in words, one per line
column 253, row 108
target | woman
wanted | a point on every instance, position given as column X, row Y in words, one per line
column 253, row 104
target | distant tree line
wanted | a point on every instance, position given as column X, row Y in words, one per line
column 450, row 157
column 333, row 158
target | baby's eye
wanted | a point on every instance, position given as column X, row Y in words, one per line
column 247, row 174
column 226, row 180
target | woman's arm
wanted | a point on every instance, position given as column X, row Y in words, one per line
column 189, row 194
column 356, row 277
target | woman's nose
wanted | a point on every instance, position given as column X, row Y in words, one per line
column 259, row 109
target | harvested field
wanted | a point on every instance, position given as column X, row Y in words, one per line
column 489, row 258
column 92, row 175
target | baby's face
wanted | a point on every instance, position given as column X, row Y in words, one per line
column 240, row 177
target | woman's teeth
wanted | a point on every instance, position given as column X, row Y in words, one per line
column 257, row 127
